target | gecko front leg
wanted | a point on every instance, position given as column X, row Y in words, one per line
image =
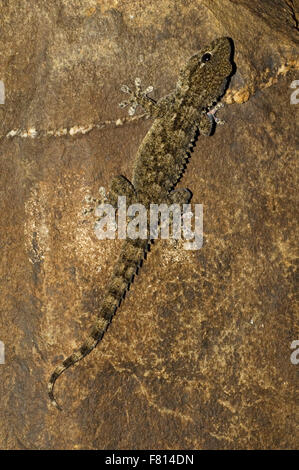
column 209, row 119
column 212, row 113
column 138, row 97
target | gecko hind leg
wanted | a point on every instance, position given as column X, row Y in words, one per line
column 121, row 186
column 180, row 196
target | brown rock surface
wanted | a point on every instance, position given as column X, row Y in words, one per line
column 198, row 356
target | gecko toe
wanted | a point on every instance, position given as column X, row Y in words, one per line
column 123, row 104
column 125, row 89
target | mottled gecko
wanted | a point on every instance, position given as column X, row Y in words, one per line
column 159, row 164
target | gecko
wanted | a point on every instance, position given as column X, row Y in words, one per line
column 160, row 162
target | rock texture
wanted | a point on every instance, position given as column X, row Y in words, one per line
column 198, row 356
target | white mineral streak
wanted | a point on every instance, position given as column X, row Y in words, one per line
column 32, row 132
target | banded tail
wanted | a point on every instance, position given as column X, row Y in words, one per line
column 130, row 259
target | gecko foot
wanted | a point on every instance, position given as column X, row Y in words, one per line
column 137, row 97
column 94, row 202
column 180, row 196
column 209, row 119
column 212, row 113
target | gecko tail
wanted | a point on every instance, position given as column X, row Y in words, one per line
column 130, row 259
column 86, row 348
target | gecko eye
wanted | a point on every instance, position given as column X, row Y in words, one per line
column 206, row 57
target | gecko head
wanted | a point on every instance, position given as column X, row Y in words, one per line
column 206, row 74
